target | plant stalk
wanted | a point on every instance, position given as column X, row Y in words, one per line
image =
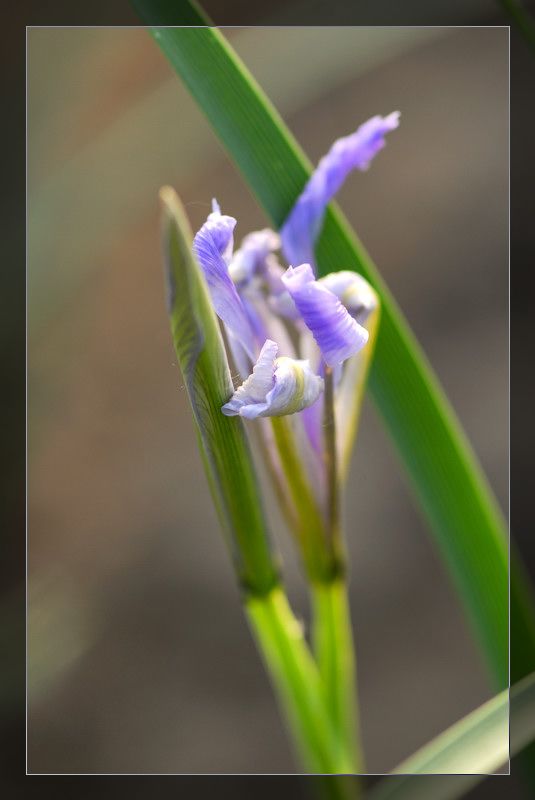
column 330, row 462
column 335, row 657
column 321, row 562
column 297, row 683
column 332, row 633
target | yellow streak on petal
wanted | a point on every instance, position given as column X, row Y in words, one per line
column 296, row 402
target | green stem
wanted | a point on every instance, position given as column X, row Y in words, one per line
column 321, row 562
column 330, row 461
column 334, row 651
column 332, row 634
column 297, row 682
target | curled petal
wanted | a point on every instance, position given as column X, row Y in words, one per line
column 336, row 333
column 276, row 387
column 354, row 292
column 209, row 245
column 250, row 258
column 221, row 228
column 296, row 387
column 302, row 226
column 250, row 399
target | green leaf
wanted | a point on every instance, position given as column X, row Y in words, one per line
column 467, row 523
column 478, row 745
column 222, row 440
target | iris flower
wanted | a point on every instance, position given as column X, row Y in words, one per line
column 289, row 332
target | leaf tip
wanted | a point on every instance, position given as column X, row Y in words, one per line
column 173, row 208
column 169, row 199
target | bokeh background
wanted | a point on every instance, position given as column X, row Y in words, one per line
column 139, row 658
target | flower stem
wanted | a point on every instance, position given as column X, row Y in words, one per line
column 330, row 460
column 321, row 561
column 332, row 634
column 334, row 651
column 297, row 683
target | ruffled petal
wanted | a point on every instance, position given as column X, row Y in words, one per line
column 250, row 399
column 210, row 245
column 296, row 387
column 302, row 226
column 276, row 387
column 336, row 333
column 354, row 292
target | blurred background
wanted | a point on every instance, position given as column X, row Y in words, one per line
column 139, row 657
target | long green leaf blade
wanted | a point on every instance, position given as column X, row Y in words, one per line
column 447, row 479
column 222, row 440
column 478, row 745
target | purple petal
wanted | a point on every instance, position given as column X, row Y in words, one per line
column 312, row 422
column 336, row 333
column 209, row 246
column 303, row 225
column 242, row 361
column 279, row 299
column 276, row 387
column 252, row 254
column 222, row 230
column 250, row 399
column 266, row 324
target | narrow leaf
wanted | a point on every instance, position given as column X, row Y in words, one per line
column 222, row 440
column 476, row 746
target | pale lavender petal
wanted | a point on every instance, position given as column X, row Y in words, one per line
column 296, row 387
column 267, row 325
column 283, row 305
column 250, row 399
column 256, row 321
column 251, row 257
column 276, row 387
column 222, row 229
column 354, row 292
column 242, row 360
column 209, row 246
column 272, row 274
column 279, row 299
column 313, row 424
column 337, row 334
column 303, row 225
column 312, row 417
